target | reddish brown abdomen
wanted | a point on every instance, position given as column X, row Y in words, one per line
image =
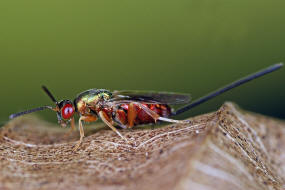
column 142, row 117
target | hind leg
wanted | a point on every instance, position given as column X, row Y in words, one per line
column 156, row 117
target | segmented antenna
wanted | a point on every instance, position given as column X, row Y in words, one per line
column 36, row 109
column 228, row 87
column 29, row 111
column 49, row 94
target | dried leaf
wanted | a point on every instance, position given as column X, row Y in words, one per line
column 228, row 149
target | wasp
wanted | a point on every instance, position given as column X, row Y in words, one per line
column 129, row 108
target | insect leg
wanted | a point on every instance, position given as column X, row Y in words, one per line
column 119, row 118
column 81, row 130
column 156, row 117
column 173, row 120
column 151, row 113
column 132, row 114
column 81, row 133
column 106, row 119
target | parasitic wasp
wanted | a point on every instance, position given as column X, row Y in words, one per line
column 129, row 108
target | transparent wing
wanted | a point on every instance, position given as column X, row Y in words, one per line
column 150, row 97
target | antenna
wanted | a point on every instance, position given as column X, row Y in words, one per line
column 12, row 116
column 39, row 108
column 49, row 94
column 229, row 87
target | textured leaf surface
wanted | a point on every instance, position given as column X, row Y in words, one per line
column 228, row 149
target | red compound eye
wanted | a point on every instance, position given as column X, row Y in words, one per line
column 67, row 111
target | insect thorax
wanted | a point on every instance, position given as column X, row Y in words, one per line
column 91, row 97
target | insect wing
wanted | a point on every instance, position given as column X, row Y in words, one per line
column 151, row 97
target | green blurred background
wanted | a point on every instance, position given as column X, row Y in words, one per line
column 191, row 46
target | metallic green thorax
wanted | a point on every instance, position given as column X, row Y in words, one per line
column 91, row 97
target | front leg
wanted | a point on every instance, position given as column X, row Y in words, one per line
column 81, row 130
